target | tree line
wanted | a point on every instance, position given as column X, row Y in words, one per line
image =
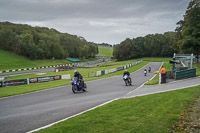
column 43, row 43
column 188, row 30
column 152, row 45
column 185, row 39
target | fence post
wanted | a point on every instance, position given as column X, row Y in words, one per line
column 28, row 81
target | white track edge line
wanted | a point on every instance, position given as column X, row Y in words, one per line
column 163, row 91
column 144, row 82
column 107, row 103
column 72, row 116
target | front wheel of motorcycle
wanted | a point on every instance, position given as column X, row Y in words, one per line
column 126, row 82
column 74, row 89
column 85, row 87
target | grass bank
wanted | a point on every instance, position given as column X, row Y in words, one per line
column 10, row 61
column 105, row 51
column 15, row 90
column 155, row 113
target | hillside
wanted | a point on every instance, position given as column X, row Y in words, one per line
column 12, row 61
column 105, row 51
column 43, row 43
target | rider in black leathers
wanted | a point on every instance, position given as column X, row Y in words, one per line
column 79, row 76
column 128, row 74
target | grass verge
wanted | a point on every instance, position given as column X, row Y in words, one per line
column 154, row 81
column 189, row 120
column 155, row 113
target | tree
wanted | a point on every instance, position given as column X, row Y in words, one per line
column 43, row 43
column 188, row 31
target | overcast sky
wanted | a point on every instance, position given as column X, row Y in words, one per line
column 109, row 21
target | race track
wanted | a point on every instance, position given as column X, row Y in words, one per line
column 30, row 111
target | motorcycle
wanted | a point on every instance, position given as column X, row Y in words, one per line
column 127, row 80
column 77, row 85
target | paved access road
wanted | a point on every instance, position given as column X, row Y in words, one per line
column 27, row 112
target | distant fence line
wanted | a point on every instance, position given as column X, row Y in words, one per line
column 103, row 72
column 34, row 68
column 81, row 64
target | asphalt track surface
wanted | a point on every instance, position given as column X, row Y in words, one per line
column 30, row 111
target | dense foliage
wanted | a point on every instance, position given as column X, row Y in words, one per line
column 152, row 45
column 43, row 43
column 188, row 30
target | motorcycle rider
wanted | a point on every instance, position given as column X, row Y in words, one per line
column 79, row 76
column 128, row 74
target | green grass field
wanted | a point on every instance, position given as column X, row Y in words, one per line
column 155, row 113
column 15, row 90
column 105, row 51
column 10, row 61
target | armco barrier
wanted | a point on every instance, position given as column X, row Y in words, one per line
column 112, row 70
column 103, row 72
column 99, row 73
column 13, row 82
column 33, row 80
column 67, row 76
column 1, row 83
column 185, row 73
column 120, row 68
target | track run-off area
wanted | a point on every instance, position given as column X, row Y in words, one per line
column 27, row 112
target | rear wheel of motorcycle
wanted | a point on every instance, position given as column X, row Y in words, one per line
column 130, row 82
column 74, row 89
column 85, row 87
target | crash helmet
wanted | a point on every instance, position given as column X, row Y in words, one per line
column 75, row 72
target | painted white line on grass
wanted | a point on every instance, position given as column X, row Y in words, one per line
column 72, row 116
